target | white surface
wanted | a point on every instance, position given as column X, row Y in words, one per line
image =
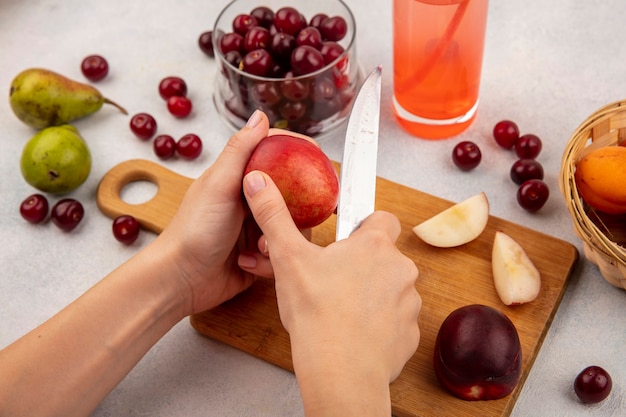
column 547, row 66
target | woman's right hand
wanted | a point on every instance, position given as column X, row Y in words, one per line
column 350, row 308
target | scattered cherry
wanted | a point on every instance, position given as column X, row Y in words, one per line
column 205, row 42
column 466, row 155
column 67, row 214
column 189, row 146
column 526, row 169
column 34, row 208
column 172, row 86
column 164, row 146
column 94, row 67
column 528, row 146
column 143, row 125
column 593, row 384
column 533, row 194
column 179, row 106
column 506, row 133
column 125, row 229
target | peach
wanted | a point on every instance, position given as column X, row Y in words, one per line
column 601, row 179
column 478, row 354
column 456, row 225
column 302, row 172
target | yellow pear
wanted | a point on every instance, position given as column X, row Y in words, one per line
column 56, row 160
column 42, row 98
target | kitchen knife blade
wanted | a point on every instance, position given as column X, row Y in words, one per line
column 357, row 186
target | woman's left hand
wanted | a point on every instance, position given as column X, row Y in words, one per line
column 213, row 226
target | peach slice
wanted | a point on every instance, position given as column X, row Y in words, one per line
column 516, row 278
column 456, row 225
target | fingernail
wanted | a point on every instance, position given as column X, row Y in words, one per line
column 254, row 119
column 246, row 261
column 254, row 182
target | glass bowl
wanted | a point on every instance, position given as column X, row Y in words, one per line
column 311, row 98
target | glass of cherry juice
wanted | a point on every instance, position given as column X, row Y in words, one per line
column 437, row 60
column 296, row 61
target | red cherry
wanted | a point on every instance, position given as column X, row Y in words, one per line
column 533, row 194
column 526, row 169
column 67, row 214
column 334, row 28
column 94, row 67
column 528, row 146
column 34, row 208
column 164, row 146
column 295, row 89
column 264, row 15
column 332, row 50
column 179, row 106
column 189, row 146
column 125, row 229
column 172, row 86
column 143, row 125
column 205, row 42
column 257, row 37
column 466, row 155
column 281, row 46
column 309, row 36
column 258, row 62
column 231, row 42
column 316, row 20
column 289, row 20
column 243, row 22
column 506, row 133
column 593, row 384
column 306, row 59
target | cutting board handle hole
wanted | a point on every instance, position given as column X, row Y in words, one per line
column 138, row 191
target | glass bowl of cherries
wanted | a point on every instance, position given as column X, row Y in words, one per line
column 296, row 63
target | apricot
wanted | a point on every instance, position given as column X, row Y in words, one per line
column 302, row 172
column 601, row 179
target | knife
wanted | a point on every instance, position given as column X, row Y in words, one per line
column 357, row 185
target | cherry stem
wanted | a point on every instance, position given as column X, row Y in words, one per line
column 443, row 44
column 120, row 108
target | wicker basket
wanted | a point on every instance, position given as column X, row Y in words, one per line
column 603, row 236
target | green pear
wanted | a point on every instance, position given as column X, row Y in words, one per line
column 56, row 160
column 42, row 98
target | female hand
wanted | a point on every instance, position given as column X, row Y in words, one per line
column 210, row 227
column 350, row 308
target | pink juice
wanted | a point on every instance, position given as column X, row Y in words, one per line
column 437, row 60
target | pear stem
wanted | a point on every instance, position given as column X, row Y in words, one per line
column 120, row 108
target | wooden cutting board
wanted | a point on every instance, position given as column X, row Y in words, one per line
column 449, row 278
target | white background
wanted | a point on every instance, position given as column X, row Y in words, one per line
column 547, row 65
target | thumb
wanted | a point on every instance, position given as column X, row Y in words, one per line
column 269, row 208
